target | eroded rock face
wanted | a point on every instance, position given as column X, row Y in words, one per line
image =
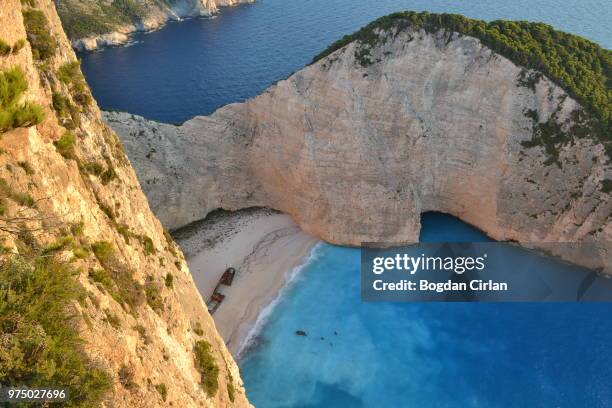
column 156, row 347
column 355, row 154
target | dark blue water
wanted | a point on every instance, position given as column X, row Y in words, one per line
column 196, row 66
column 458, row 355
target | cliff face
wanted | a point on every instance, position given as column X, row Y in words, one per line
column 434, row 122
column 91, row 24
column 68, row 191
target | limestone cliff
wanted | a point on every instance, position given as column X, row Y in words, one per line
column 356, row 150
column 68, row 193
column 91, row 23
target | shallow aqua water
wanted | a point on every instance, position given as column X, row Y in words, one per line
column 456, row 355
column 196, row 66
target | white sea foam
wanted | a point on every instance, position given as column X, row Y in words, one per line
column 291, row 278
column 131, row 43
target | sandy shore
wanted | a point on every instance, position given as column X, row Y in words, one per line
column 263, row 246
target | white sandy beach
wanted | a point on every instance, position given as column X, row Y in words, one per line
column 263, row 246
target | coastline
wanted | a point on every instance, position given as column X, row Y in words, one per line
column 265, row 247
column 122, row 36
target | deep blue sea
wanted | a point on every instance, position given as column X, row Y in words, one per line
column 194, row 67
column 361, row 354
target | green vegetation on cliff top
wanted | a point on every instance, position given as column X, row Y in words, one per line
column 84, row 18
column 579, row 66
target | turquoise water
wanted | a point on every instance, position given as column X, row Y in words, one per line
column 445, row 355
column 194, row 67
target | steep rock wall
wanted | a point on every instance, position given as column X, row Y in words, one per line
column 355, row 154
column 86, row 193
